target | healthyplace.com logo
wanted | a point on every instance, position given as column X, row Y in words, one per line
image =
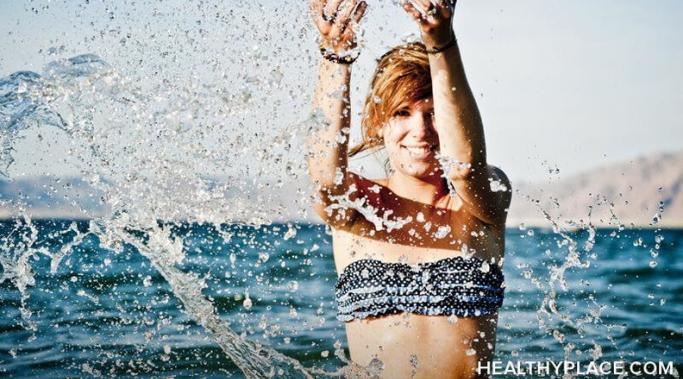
column 561, row 368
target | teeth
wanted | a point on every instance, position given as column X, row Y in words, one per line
column 417, row 150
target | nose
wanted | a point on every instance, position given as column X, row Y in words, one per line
column 421, row 125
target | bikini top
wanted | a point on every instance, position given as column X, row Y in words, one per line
column 457, row 286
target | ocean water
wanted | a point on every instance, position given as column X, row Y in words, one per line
column 86, row 310
column 199, row 111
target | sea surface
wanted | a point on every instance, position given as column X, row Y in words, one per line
column 102, row 312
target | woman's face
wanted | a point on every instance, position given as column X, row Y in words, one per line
column 411, row 140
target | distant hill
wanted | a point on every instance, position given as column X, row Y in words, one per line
column 49, row 197
column 627, row 193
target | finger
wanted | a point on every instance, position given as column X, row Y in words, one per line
column 344, row 15
column 331, row 9
column 412, row 10
column 357, row 16
column 360, row 11
column 319, row 19
column 316, row 7
column 444, row 7
column 425, row 6
column 434, row 10
column 440, row 4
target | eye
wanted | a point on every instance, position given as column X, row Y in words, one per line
column 402, row 113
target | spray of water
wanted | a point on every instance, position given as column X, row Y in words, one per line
column 152, row 151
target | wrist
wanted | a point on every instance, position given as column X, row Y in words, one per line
column 339, row 56
column 438, row 39
column 441, row 48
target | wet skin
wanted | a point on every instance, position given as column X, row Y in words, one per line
column 416, row 192
column 439, row 344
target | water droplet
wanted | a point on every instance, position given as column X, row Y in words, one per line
column 291, row 232
column 442, row 231
column 485, row 267
column 470, row 352
column 656, row 218
column 365, row 273
column 559, row 337
column 247, row 303
column 375, row 367
column 413, row 361
column 293, row 286
column 497, row 186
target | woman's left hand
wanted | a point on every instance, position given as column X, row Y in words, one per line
column 434, row 17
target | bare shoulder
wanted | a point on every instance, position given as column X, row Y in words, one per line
column 363, row 184
column 500, row 183
column 487, row 197
column 382, row 182
column 498, row 174
column 341, row 210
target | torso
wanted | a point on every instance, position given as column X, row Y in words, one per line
column 411, row 345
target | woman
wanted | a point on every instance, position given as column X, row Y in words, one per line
column 419, row 253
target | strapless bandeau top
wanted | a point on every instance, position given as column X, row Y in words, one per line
column 456, row 286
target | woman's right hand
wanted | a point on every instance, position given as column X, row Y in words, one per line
column 336, row 20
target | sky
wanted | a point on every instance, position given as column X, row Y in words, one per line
column 567, row 85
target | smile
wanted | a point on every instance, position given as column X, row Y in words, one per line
column 423, row 151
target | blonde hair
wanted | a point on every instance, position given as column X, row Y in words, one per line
column 402, row 77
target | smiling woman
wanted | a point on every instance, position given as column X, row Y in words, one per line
column 419, row 254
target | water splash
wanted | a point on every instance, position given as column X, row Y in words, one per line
column 174, row 134
column 555, row 319
column 83, row 97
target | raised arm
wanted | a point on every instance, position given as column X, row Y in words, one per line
column 328, row 145
column 457, row 119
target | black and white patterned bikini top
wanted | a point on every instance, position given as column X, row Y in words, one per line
column 457, row 286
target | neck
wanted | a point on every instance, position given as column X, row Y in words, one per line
column 429, row 190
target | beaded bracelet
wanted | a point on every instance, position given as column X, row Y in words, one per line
column 339, row 58
column 445, row 47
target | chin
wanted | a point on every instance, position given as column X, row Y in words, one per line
column 421, row 171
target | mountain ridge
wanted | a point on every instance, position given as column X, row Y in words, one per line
column 628, row 193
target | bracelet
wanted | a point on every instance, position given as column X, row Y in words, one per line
column 346, row 58
column 445, row 47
